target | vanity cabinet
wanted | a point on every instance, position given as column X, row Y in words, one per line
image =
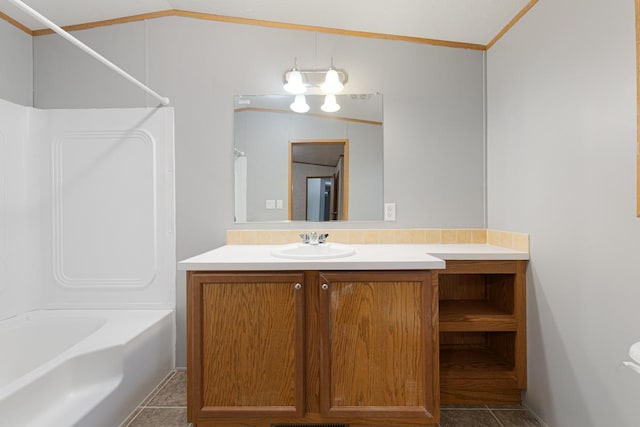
column 482, row 332
column 356, row 348
column 246, row 346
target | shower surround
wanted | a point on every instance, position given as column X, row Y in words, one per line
column 86, row 232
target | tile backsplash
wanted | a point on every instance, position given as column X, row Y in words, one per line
column 516, row 241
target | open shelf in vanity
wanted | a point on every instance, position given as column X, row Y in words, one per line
column 477, row 354
column 482, row 331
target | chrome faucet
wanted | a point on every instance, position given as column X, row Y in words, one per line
column 314, row 238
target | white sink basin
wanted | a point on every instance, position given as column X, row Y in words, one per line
column 309, row 251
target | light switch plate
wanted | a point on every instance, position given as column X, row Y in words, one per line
column 271, row 204
column 389, row 211
column 279, row 204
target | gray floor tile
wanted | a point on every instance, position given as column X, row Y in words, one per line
column 459, row 406
column 130, row 418
column 157, row 389
column 511, row 407
column 515, row 418
column 161, row 417
column 467, row 418
column 174, row 392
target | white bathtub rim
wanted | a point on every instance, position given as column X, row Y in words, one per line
column 104, row 338
column 42, row 370
column 73, row 403
column 37, row 341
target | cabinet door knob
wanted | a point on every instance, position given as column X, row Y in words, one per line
column 297, row 286
column 324, row 286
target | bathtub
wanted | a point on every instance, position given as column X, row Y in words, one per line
column 82, row 368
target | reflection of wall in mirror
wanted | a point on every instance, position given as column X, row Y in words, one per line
column 265, row 137
column 240, row 188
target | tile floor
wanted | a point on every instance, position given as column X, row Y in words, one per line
column 167, row 407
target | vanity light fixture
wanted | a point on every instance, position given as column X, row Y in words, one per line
column 330, row 105
column 327, row 81
column 293, row 80
column 300, row 105
column 332, row 83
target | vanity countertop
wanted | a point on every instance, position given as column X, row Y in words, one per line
column 366, row 257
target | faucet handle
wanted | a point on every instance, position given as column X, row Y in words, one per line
column 323, row 238
column 313, row 238
column 304, row 237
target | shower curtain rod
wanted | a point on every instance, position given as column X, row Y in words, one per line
column 163, row 99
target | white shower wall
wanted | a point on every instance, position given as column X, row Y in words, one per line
column 92, row 193
column 19, row 258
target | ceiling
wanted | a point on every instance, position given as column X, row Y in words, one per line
column 318, row 154
column 462, row 21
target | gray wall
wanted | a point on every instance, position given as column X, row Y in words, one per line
column 433, row 112
column 561, row 163
column 16, row 65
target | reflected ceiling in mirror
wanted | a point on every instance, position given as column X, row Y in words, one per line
column 266, row 172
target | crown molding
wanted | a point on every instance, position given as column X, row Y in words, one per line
column 274, row 24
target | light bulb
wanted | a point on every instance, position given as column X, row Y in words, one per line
column 330, row 105
column 332, row 82
column 294, row 82
column 299, row 105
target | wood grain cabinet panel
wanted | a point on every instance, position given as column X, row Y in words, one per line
column 247, row 345
column 377, row 345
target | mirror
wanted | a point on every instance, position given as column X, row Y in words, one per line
column 282, row 158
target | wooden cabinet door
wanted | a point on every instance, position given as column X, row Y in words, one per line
column 379, row 345
column 246, row 346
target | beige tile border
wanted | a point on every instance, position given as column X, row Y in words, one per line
column 516, row 241
column 506, row 239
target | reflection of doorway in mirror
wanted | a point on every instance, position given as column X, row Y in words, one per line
column 320, row 199
column 318, row 180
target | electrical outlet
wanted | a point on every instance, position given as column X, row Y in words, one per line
column 279, row 204
column 389, row 211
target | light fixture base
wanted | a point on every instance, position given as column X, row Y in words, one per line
column 315, row 78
